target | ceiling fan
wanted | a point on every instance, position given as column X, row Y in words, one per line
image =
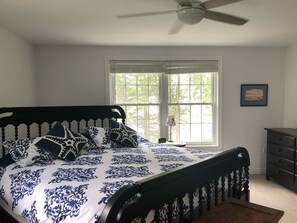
column 193, row 11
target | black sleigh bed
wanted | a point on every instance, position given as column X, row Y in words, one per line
column 161, row 184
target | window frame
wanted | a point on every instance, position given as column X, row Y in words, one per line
column 163, row 115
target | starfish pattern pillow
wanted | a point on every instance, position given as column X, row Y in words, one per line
column 123, row 135
column 62, row 142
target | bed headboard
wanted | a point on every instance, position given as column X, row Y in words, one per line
column 22, row 122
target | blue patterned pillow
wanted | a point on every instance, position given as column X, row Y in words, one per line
column 97, row 134
column 24, row 152
column 123, row 135
column 62, row 142
column 99, row 137
column 18, row 148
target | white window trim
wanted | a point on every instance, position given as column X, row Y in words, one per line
column 218, row 90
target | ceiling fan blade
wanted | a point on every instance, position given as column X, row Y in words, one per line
column 145, row 14
column 177, row 26
column 222, row 17
column 184, row 2
column 210, row 4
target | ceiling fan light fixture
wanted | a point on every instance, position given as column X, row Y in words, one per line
column 191, row 12
column 190, row 15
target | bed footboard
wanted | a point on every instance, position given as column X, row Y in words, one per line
column 183, row 193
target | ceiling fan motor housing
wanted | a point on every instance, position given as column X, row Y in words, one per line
column 190, row 14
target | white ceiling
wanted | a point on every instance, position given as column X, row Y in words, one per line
column 94, row 22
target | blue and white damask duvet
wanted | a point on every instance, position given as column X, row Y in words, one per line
column 77, row 191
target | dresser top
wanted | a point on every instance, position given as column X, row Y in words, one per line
column 285, row 131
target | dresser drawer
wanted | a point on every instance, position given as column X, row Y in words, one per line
column 282, row 176
column 281, row 151
column 281, row 139
column 281, row 162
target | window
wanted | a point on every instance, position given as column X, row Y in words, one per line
column 151, row 90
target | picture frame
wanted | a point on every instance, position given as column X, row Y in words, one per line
column 254, row 95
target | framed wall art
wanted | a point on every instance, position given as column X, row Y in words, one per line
column 254, row 95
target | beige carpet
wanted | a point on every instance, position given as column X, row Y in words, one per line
column 271, row 194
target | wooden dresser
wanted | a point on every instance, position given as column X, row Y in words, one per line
column 281, row 156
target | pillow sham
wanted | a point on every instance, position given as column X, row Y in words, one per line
column 24, row 152
column 89, row 147
column 123, row 135
column 97, row 134
column 62, row 142
column 18, row 148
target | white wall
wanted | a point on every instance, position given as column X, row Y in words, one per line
column 73, row 75
column 290, row 88
column 17, row 83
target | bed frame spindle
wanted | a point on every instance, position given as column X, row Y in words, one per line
column 234, row 181
column 3, row 139
column 229, row 184
column 39, row 129
column 200, row 201
column 170, row 211
column 240, row 182
column 16, row 132
column 191, row 206
column 156, row 215
column 223, row 188
column 216, row 182
column 78, row 127
column 28, row 131
column 246, row 185
column 181, row 208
